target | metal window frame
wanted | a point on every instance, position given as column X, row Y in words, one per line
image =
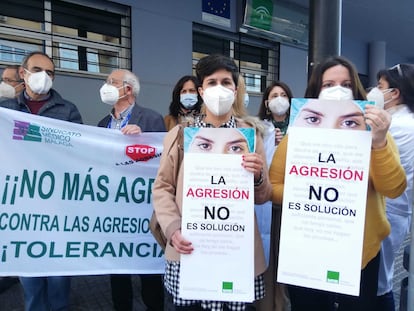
column 49, row 40
column 272, row 47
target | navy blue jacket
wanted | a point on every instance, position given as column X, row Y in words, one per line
column 56, row 107
column 147, row 119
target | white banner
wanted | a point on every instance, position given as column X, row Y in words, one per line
column 75, row 199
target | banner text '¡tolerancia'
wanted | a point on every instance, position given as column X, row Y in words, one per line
column 78, row 249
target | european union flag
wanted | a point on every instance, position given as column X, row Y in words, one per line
column 217, row 7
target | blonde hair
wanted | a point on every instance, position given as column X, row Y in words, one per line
column 239, row 109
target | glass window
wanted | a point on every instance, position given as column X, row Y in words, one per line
column 93, row 60
column 14, row 52
column 30, row 12
column 68, row 56
column 258, row 62
column 93, row 38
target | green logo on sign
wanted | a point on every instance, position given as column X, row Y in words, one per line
column 332, row 277
column 262, row 14
column 227, row 287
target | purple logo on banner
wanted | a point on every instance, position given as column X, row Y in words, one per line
column 26, row 131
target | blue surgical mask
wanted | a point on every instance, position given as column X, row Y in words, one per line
column 188, row 100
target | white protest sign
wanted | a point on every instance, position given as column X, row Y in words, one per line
column 218, row 216
column 324, row 201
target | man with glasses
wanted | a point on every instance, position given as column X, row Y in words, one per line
column 10, row 87
column 11, row 84
column 37, row 71
column 120, row 91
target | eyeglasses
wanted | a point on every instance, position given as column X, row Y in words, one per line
column 399, row 70
column 115, row 82
column 7, row 80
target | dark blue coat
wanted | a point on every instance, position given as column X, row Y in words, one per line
column 56, row 107
column 147, row 119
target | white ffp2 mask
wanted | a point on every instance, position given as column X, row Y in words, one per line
column 218, row 99
column 7, row 90
column 336, row 92
column 279, row 105
column 376, row 95
column 109, row 94
column 39, row 82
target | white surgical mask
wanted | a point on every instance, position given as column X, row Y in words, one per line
column 279, row 105
column 218, row 99
column 7, row 90
column 336, row 92
column 377, row 96
column 39, row 82
column 188, row 100
column 109, row 94
column 246, row 100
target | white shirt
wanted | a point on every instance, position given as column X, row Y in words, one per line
column 402, row 130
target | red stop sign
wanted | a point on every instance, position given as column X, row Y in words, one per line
column 140, row 152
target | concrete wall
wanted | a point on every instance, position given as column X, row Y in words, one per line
column 293, row 69
column 84, row 92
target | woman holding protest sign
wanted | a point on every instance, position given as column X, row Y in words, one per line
column 337, row 79
column 218, row 76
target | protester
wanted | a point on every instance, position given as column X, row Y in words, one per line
column 185, row 103
column 120, row 91
column 395, row 92
column 218, row 76
column 6, row 282
column 38, row 73
column 275, row 106
column 10, row 87
column 11, row 84
column 239, row 106
column 337, row 78
column 274, row 113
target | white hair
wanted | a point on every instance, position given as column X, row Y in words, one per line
column 131, row 79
